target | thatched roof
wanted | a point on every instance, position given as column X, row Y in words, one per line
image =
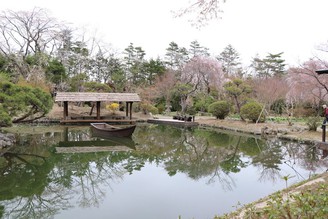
column 89, row 96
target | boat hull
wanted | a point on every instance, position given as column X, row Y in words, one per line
column 104, row 130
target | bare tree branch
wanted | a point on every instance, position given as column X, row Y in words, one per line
column 201, row 11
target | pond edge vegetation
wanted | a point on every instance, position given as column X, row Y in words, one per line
column 306, row 199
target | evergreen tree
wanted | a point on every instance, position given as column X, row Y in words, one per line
column 98, row 67
column 134, row 59
column 238, row 90
column 197, row 50
column 152, row 69
column 230, row 60
column 115, row 76
column 55, row 71
column 259, row 67
column 271, row 65
column 275, row 64
column 78, row 58
column 22, row 103
column 175, row 56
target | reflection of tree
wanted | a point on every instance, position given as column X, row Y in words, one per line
column 36, row 185
column 37, row 206
column 201, row 153
column 292, row 154
column 46, row 189
column 232, row 161
column 268, row 160
column 25, row 188
column 306, row 155
column 87, row 174
column 2, row 211
column 30, row 159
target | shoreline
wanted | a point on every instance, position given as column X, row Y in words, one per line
column 297, row 132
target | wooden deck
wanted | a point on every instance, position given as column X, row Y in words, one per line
column 117, row 119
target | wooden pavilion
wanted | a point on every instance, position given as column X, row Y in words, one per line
column 97, row 98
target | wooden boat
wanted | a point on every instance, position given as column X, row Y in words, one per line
column 106, row 130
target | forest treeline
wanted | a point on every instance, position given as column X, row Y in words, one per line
column 39, row 54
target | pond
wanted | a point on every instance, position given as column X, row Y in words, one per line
column 163, row 172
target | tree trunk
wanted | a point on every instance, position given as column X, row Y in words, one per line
column 238, row 108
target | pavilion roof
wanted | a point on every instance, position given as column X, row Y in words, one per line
column 90, row 96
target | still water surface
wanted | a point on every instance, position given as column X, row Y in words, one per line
column 163, row 172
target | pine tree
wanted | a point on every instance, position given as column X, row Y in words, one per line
column 175, row 56
column 230, row 61
column 197, row 50
column 271, row 65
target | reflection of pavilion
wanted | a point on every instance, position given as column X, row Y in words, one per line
column 91, row 149
column 98, row 145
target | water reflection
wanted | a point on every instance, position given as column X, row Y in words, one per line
column 38, row 182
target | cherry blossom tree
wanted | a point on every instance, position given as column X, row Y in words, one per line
column 306, row 85
column 269, row 90
column 162, row 88
column 199, row 75
column 203, row 72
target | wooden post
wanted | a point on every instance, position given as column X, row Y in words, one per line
column 126, row 109
column 65, row 113
column 324, row 133
column 130, row 110
column 98, row 110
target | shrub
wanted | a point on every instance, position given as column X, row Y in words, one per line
column 312, row 123
column 153, row 109
column 202, row 102
column 93, row 86
column 278, row 106
column 252, row 111
column 191, row 110
column 310, row 203
column 113, row 107
column 161, row 108
column 146, row 108
column 219, row 109
column 5, row 119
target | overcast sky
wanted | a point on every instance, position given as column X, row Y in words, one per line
column 295, row 27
